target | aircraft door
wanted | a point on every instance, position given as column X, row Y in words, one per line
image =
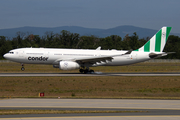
column 21, row 53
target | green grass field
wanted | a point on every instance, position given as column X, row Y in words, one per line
column 17, row 112
column 92, row 87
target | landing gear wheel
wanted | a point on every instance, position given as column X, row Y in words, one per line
column 86, row 70
column 81, row 70
column 22, row 68
column 91, row 71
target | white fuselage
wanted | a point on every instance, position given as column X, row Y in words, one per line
column 53, row 56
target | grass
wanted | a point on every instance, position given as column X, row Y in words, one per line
column 140, row 67
column 91, row 87
column 15, row 112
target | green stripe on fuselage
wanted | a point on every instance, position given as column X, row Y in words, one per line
column 136, row 50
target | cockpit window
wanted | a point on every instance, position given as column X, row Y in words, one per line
column 11, row 52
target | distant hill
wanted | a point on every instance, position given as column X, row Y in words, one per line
column 120, row 30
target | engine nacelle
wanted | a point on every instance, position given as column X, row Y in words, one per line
column 68, row 65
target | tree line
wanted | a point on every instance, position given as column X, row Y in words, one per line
column 66, row 39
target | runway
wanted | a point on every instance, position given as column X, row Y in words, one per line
column 154, row 109
column 86, row 75
column 91, row 103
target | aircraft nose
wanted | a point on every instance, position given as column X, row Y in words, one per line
column 5, row 56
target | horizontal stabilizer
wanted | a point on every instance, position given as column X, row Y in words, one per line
column 154, row 55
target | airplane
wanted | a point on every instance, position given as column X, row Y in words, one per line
column 82, row 59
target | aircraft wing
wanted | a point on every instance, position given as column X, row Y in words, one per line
column 99, row 59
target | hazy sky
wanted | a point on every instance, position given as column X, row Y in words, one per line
column 90, row 13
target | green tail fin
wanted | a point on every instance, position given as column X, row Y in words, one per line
column 157, row 42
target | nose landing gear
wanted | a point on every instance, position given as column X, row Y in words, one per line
column 22, row 68
column 86, row 70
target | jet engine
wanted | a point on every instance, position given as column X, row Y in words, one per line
column 68, row 65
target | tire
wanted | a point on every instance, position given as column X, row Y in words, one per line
column 85, row 71
column 22, row 68
column 81, row 70
column 91, row 71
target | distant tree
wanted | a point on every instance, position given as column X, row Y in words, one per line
column 111, row 42
column 68, row 39
column 19, row 39
column 172, row 45
column 143, row 41
column 134, row 43
column 49, row 36
column 86, row 42
column 5, row 46
column 126, row 43
column 116, row 41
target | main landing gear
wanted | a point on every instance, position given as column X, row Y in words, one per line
column 22, row 68
column 86, row 70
